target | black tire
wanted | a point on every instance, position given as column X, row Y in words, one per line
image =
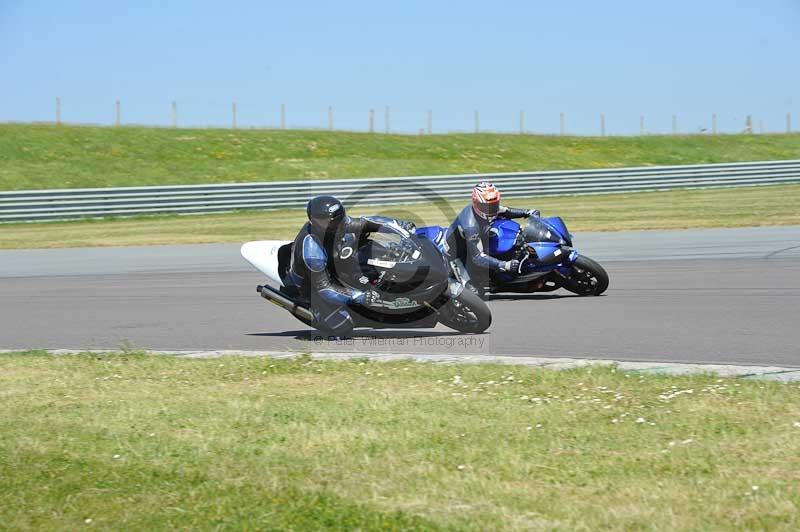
column 588, row 278
column 467, row 313
column 480, row 292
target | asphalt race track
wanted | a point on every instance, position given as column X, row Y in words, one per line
column 719, row 296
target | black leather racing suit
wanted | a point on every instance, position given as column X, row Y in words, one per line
column 467, row 239
column 313, row 271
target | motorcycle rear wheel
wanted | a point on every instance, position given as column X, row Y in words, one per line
column 467, row 313
column 588, row 278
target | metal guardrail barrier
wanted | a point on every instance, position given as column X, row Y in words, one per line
column 43, row 205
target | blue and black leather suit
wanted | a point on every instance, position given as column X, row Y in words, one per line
column 467, row 239
column 313, row 271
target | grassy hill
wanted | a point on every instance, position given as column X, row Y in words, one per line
column 48, row 156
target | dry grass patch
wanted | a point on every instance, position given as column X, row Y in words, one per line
column 680, row 209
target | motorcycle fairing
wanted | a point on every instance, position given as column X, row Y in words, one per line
column 538, row 230
column 431, row 232
column 502, row 236
column 264, row 255
column 379, row 265
column 557, row 224
column 547, row 252
column 437, row 235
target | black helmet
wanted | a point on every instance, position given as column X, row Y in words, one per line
column 325, row 213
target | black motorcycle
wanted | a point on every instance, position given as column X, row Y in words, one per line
column 416, row 284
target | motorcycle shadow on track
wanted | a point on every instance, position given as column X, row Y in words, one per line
column 312, row 335
column 531, row 297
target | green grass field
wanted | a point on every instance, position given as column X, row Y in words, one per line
column 140, row 442
column 685, row 209
column 48, row 156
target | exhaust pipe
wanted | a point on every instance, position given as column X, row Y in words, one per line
column 272, row 295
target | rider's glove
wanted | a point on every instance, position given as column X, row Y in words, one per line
column 408, row 226
column 365, row 298
column 533, row 212
column 358, row 298
column 371, row 297
column 511, row 266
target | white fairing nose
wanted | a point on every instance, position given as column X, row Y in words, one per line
column 263, row 254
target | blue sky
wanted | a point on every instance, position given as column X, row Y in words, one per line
column 624, row 59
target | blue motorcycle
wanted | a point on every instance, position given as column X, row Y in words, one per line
column 547, row 260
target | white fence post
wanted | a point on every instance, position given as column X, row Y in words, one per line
column 58, row 111
column 283, row 116
column 174, row 114
column 116, row 114
column 233, row 113
column 522, row 122
column 372, row 120
column 330, row 118
column 430, row 122
column 562, row 126
column 602, row 124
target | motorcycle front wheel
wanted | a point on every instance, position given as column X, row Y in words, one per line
column 467, row 313
column 588, row 278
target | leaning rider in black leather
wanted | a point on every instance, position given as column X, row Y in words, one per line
column 467, row 235
column 312, row 266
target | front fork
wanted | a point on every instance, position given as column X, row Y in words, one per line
column 459, row 271
column 565, row 268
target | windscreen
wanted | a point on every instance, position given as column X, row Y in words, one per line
column 538, row 231
column 392, row 243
